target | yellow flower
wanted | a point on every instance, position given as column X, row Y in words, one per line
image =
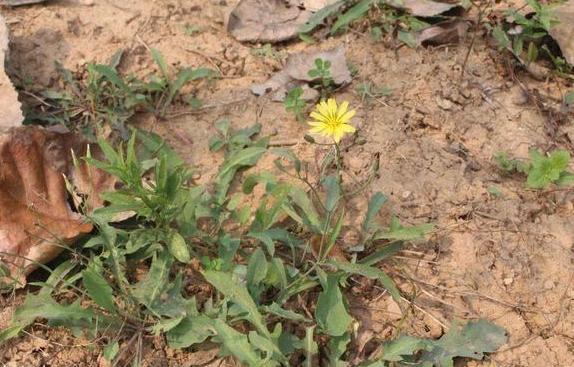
column 332, row 120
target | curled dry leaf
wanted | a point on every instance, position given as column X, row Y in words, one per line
column 20, row 2
column 36, row 220
column 563, row 30
column 10, row 114
column 266, row 20
column 296, row 73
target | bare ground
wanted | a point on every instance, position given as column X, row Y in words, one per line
column 507, row 258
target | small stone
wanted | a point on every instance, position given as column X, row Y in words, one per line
column 406, row 194
column 445, row 104
column 508, row 281
column 548, row 285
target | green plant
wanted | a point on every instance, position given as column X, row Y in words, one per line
column 369, row 91
column 322, row 73
column 268, row 51
column 104, row 97
column 294, row 103
column 127, row 281
column 541, row 170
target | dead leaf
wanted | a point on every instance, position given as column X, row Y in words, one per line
column 266, row 21
column 296, row 72
column 36, row 221
column 450, row 31
column 424, row 8
column 11, row 114
column 20, row 2
column 312, row 5
column 563, row 31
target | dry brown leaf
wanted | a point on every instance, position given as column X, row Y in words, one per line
column 20, row 2
column 425, row 8
column 36, row 221
column 450, row 31
column 296, row 73
column 563, row 30
column 266, row 21
column 10, row 114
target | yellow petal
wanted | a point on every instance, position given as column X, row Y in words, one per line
column 348, row 128
column 319, row 117
column 342, row 109
column 315, row 123
column 347, row 116
column 323, row 108
column 317, row 130
column 332, row 104
column 337, row 135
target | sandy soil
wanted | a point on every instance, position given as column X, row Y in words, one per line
column 507, row 258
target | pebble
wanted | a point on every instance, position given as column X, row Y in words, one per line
column 548, row 284
column 508, row 281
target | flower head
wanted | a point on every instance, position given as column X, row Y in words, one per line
column 332, row 120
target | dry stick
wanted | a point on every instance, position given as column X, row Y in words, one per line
column 474, row 33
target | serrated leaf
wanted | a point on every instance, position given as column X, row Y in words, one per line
column 98, row 289
column 396, row 350
column 171, row 303
column 160, row 62
column 239, row 295
column 371, row 273
column 309, row 215
column 237, row 344
column 375, row 204
column 546, row 170
column 379, row 255
column 470, row 341
column 331, row 313
column 245, row 157
column 149, row 289
column 193, row 329
column 277, row 310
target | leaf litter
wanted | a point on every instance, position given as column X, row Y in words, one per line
column 11, row 114
column 36, row 220
column 296, row 74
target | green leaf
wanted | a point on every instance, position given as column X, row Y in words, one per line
column 245, row 157
column 396, row 350
column 237, row 344
column 111, row 350
column 194, row 329
column 379, row 255
column 112, row 76
column 98, row 289
column 399, row 232
column 408, row 38
column 10, row 332
column 371, row 273
column 333, row 188
column 267, row 346
column 375, row 204
column 171, row 303
column 470, row 341
column 331, row 313
column 160, row 61
column 501, row 37
column 546, row 170
column 149, row 289
column 309, row 215
column 352, row 14
column 276, row 310
column 256, row 271
column 319, row 17
column 239, row 295
column 178, row 248
column 310, row 347
column 337, row 346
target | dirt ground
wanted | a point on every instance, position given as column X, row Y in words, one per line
column 507, row 258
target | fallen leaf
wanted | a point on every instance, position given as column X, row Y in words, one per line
column 266, row 21
column 450, row 31
column 36, row 221
column 424, row 8
column 296, row 72
column 11, row 113
column 562, row 31
column 20, row 2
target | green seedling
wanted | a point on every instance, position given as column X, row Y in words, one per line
column 294, row 103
